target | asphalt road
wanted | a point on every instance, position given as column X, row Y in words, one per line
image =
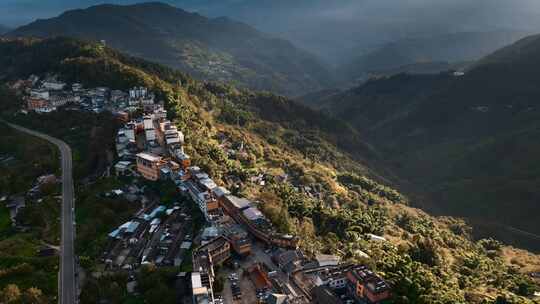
column 67, row 284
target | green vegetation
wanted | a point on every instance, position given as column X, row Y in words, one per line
column 97, row 215
column 426, row 259
column 467, row 146
column 24, row 275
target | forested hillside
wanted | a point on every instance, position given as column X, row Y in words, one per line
column 425, row 259
column 469, row 143
column 217, row 49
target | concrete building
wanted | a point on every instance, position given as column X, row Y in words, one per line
column 149, row 165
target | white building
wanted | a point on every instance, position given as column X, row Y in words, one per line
column 53, row 85
column 40, row 94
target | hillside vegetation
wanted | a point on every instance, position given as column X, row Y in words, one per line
column 212, row 49
column 23, row 270
column 426, row 259
column 470, row 143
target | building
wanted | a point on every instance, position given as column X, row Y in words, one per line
column 61, row 99
column 182, row 158
column 122, row 168
column 211, row 254
column 366, row 287
column 243, row 212
column 201, row 294
column 327, row 260
column 149, row 165
column 239, row 239
column 40, row 94
column 34, row 104
column 52, row 84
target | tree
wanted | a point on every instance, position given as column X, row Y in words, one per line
column 11, row 293
column 34, row 295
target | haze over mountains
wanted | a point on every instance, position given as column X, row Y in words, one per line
column 217, row 49
column 334, row 30
column 470, row 143
column 428, row 55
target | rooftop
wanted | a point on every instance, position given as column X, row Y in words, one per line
column 253, row 214
column 238, row 202
column 149, row 156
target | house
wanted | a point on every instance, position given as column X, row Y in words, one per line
column 239, row 239
column 149, row 165
column 34, row 104
column 275, row 298
column 52, row 84
column 61, row 99
column 181, row 157
column 366, row 287
column 40, row 94
column 122, row 168
column 327, row 260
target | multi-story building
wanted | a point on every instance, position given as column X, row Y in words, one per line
column 366, row 287
column 149, row 165
column 239, row 239
column 213, row 253
column 244, row 212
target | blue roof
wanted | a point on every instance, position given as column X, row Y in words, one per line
column 154, row 212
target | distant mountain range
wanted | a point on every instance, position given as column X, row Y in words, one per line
column 427, row 55
column 470, row 144
column 217, row 49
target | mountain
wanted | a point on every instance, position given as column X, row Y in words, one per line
column 425, row 259
column 469, row 144
column 337, row 30
column 428, row 55
column 217, row 49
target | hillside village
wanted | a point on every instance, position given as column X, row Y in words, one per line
column 263, row 265
column 217, row 201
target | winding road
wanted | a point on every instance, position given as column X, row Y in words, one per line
column 67, row 290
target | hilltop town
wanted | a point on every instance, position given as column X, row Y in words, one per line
column 190, row 191
column 262, row 264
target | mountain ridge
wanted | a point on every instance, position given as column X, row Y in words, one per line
column 218, row 49
column 468, row 142
column 450, row 48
